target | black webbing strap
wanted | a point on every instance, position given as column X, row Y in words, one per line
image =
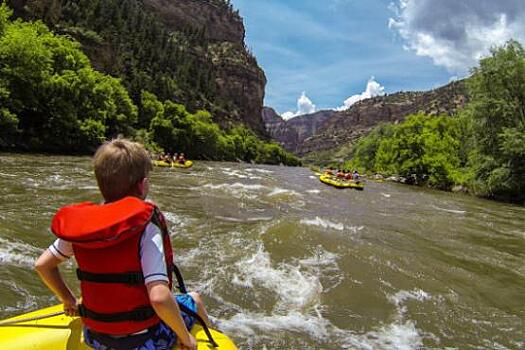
column 137, row 315
column 193, row 314
column 124, row 277
column 180, row 281
column 182, row 287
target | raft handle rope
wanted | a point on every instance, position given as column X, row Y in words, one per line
column 29, row 319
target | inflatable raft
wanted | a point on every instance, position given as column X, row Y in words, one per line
column 50, row 329
column 161, row 163
column 339, row 183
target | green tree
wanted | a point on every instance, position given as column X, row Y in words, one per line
column 421, row 146
column 51, row 97
column 497, row 112
column 364, row 153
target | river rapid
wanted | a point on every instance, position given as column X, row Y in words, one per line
column 286, row 262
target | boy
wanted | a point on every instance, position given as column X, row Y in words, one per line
column 120, row 309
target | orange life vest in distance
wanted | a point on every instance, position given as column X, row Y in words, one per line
column 106, row 243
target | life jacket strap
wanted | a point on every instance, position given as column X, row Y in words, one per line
column 136, row 315
column 124, row 277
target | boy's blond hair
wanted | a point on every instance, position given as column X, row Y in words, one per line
column 119, row 165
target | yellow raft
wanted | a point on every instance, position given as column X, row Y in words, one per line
column 339, row 183
column 59, row 332
column 161, row 163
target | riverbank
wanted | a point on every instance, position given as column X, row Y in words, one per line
column 423, row 182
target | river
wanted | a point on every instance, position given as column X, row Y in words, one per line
column 286, row 262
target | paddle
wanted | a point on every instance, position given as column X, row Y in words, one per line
column 29, row 319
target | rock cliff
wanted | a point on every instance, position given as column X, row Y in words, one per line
column 327, row 130
column 293, row 133
column 239, row 79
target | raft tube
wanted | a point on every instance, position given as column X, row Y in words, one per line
column 333, row 181
column 59, row 332
column 161, row 163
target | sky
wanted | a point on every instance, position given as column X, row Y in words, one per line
column 329, row 54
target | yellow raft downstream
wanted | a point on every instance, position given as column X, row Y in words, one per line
column 333, row 181
column 161, row 163
column 60, row 332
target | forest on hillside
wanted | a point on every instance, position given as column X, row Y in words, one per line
column 52, row 100
column 133, row 44
column 481, row 148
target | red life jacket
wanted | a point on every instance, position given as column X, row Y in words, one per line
column 106, row 242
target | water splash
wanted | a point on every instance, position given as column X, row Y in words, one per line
column 296, row 289
column 18, row 253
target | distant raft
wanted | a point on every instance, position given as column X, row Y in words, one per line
column 161, row 163
column 50, row 329
column 340, row 183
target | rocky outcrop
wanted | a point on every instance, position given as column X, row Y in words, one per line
column 292, row 133
column 241, row 81
column 276, row 127
column 334, row 129
column 218, row 23
column 239, row 78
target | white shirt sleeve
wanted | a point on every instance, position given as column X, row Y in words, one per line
column 152, row 255
column 61, row 249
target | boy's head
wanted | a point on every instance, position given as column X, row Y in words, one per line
column 121, row 169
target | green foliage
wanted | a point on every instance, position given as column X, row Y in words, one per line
column 8, row 120
column 497, row 114
column 365, row 152
column 422, row 147
column 176, row 130
column 5, row 14
column 51, row 98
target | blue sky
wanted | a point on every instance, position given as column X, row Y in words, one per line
column 330, row 48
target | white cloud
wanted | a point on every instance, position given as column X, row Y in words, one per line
column 456, row 34
column 304, row 106
column 373, row 88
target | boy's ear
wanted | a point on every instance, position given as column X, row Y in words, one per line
column 142, row 186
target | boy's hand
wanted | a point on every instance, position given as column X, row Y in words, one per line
column 47, row 267
column 70, row 306
column 192, row 343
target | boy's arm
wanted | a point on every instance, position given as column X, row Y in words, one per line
column 47, row 267
column 168, row 310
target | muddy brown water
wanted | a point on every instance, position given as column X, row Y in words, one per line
column 286, row 262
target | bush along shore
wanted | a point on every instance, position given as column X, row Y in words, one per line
column 52, row 100
column 481, row 150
